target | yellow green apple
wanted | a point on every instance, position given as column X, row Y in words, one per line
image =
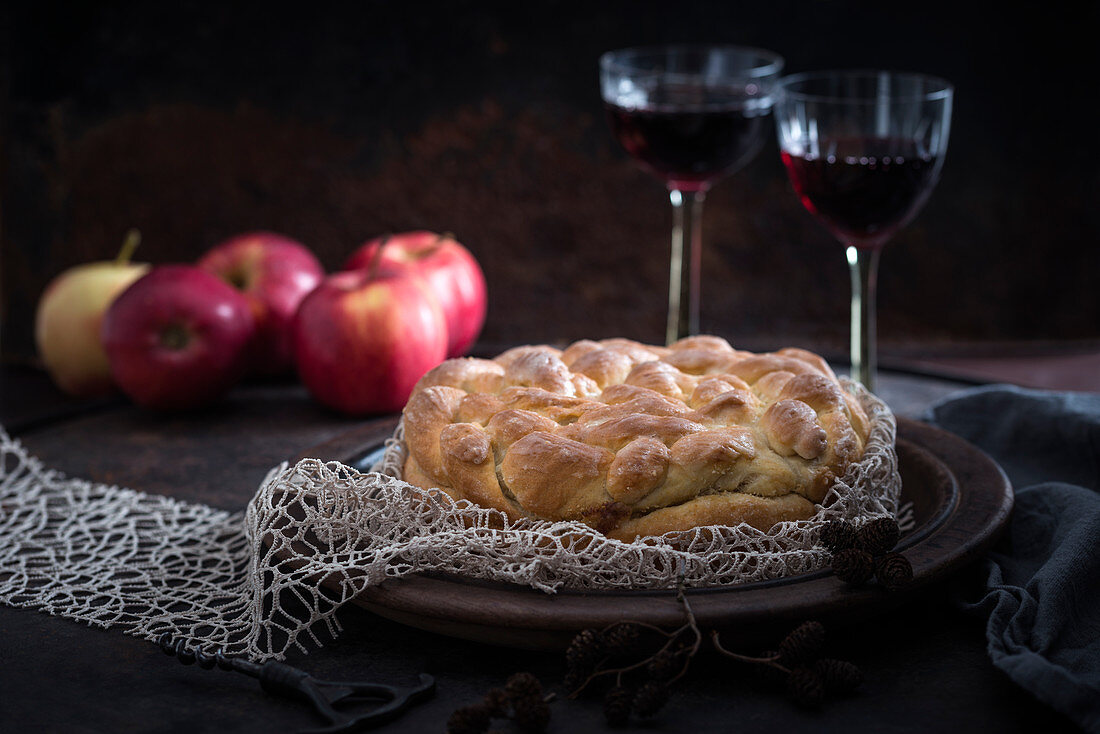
column 69, row 316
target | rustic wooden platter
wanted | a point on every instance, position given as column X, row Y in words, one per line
column 961, row 500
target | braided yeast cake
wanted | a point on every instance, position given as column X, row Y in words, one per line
column 634, row 439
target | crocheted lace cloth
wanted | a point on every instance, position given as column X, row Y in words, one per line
column 317, row 534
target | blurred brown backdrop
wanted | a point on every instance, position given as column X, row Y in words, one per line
column 333, row 124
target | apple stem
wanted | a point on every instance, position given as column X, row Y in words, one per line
column 439, row 240
column 133, row 239
column 376, row 261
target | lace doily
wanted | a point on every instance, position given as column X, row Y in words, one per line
column 317, row 534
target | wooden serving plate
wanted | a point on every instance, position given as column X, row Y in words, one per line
column 961, row 501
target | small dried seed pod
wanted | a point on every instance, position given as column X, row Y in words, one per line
column 839, row 676
column 838, row 535
column 805, row 687
column 621, row 639
column 803, row 644
column 469, row 720
column 853, row 566
column 496, row 701
column 532, row 715
column 650, row 698
column 667, row 664
column 521, row 686
column 617, row 705
column 878, row 536
column 894, row 571
column 585, row 650
column 575, row 678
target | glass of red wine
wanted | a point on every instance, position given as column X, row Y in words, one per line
column 863, row 150
column 690, row 114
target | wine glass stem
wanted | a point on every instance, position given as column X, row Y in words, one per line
column 863, row 266
column 684, row 277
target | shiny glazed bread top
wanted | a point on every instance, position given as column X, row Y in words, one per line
column 635, row 440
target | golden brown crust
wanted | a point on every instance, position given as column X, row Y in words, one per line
column 717, row 509
column 635, row 439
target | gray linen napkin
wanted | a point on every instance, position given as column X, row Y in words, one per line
column 1042, row 588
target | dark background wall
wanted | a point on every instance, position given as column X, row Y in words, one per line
column 333, row 124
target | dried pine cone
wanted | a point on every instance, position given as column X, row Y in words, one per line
column 650, row 698
column 839, row 676
column 469, row 720
column 621, row 639
column 805, row 687
column 531, row 714
column 803, row 644
column 853, row 566
column 878, row 536
column 617, row 705
column 666, row 664
column 585, row 650
column 894, row 571
column 497, row 701
column 838, row 535
column 575, row 678
column 522, row 686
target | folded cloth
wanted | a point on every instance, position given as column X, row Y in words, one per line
column 1042, row 587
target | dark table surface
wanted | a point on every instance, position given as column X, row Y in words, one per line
column 926, row 665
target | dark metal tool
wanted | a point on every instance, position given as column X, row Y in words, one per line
column 361, row 705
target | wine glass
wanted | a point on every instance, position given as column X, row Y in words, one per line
column 863, row 150
column 690, row 114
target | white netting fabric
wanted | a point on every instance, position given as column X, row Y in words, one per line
column 113, row 557
column 317, row 534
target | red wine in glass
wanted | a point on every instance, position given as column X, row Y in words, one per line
column 689, row 114
column 863, row 150
column 863, row 189
column 690, row 136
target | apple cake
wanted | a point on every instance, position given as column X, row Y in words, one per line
column 635, row 440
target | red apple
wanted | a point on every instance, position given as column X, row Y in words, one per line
column 274, row 273
column 451, row 271
column 177, row 338
column 363, row 338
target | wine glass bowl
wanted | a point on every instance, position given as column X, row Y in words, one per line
column 690, row 115
column 863, row 150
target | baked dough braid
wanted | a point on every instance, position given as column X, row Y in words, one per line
column 635, row 440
